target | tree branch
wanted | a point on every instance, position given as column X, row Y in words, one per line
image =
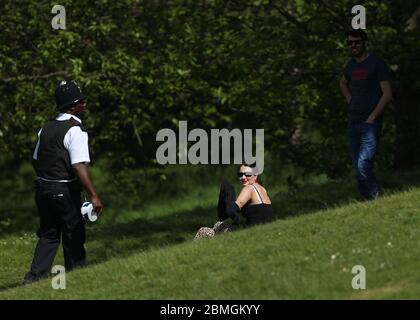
column 339, row 19
column 289, row 17
column 26, row 77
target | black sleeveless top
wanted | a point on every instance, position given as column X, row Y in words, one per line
column 257, row 213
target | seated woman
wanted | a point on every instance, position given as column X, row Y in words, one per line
column 253, row 203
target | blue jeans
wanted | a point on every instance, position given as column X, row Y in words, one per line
column 363, row 141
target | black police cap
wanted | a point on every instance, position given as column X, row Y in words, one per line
column 68, row 93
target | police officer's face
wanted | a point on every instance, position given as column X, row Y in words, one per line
column 80, row 108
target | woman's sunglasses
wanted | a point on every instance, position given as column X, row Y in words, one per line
column 246, row 174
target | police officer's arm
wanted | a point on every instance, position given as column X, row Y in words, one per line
column 345, row 90
column 385, row 99
column 82, row 173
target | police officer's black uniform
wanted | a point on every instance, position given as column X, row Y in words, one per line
column 58, row 193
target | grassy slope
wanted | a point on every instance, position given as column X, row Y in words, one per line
column 150, row 255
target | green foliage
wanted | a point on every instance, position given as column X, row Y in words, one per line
column 145, row 65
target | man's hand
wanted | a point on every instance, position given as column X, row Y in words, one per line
column 385, row 99
column 370, row 120
column 82, row 173
column 97, row 205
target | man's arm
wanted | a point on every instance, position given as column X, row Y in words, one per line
column 385, row 99
column 82, row 173
column 345, row 90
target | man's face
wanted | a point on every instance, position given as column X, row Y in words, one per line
column 80, row 108
column 356, row 45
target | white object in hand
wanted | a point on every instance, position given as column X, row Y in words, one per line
column 88, row 213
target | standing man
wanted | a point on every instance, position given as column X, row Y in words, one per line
column 59, row 160
column 370, row 92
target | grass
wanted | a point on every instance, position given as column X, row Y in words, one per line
column 320, row 233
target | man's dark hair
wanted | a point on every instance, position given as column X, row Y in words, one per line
column 66, row 108
column 357, row 33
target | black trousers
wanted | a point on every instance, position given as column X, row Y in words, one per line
column 59, row 209
column 226, row 207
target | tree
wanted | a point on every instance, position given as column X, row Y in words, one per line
column 145, row 65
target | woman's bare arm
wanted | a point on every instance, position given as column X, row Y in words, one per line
column 244, row 197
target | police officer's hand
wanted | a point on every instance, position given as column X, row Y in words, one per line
column 82, row 173
column 97, row 204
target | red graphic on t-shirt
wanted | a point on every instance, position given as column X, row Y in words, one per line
column 359, row 74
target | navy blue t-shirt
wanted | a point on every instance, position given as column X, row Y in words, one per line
column 364, row 78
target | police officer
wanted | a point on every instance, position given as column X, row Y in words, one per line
column 59, row 160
